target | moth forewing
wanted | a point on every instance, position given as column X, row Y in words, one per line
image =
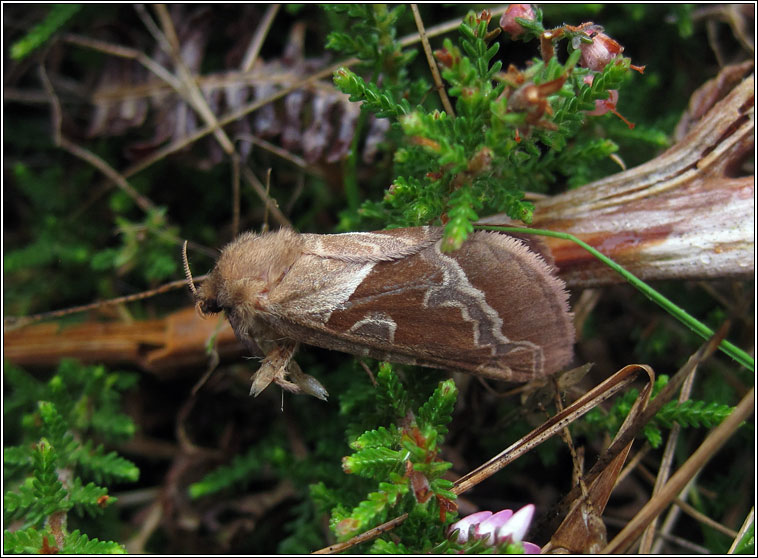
column 493, row 308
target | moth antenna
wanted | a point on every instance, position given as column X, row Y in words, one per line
column 187, row 272
column 191, row 283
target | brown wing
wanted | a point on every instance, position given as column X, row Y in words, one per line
column 363, row 247
column 492, row 308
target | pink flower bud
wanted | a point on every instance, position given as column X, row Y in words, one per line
column 515, row 528
column 599, row 52
column 465, row 524
column 508, row 19
column 602, row 105
column 605, row 105
column 531, row 548
column 499, row 528
column 492, row 525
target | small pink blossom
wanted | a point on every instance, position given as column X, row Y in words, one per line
column 493, row 524
column 603, row 106
column 464, row 525
column 508, row 19
column 515, row 528
column 599, row 52
column 531, row 548
column 499, row 528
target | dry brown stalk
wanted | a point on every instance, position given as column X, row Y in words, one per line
column 682, row 215
column 160, row 345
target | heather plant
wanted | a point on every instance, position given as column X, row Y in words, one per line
column 527, row 116
column 48, row 471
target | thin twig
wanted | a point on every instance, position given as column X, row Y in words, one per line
column 11, row 322
column 633, row 463
column 363, row 537
column 84, row 154
column 578, row 408
column 255, row 105
column 228, row 119
column 176, row 85
column 600, row 393
column 197, row 100
column 167, row 77
column 685, row 507
column 271, row 204
column 667, row 462
column 432, row 63
column 193, row 95
column 672, row 516
column 268, row 189
column 125, row 52
column 254, row 48
column 710, row 446
column 236, row 196
column 746, row 525
column 441, row 29
column 278, row 151
column 684, row 543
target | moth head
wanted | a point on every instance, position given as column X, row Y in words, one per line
column 223, row 290
column 206, row 297
column 206, row 301
column 248, row 268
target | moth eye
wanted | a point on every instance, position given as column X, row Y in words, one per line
column 210, row 306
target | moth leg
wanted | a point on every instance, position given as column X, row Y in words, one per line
column 305, row 382
column 277, row 365
column 274, row 369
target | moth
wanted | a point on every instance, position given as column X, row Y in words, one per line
column 494, row 307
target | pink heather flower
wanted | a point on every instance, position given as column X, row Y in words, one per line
column 508, row 19
column 464, row 525
column 491, row 525
column 603, row 105
column 606, row 105
column 531, row 548
column 599, row 52
column 501, row 527
column 515, row 528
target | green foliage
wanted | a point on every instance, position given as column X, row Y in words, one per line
column 56, row 18
column 693, row 414
column 476, row 545
column 157, row 257
column 76, row 254
column 72, row 237
column 44, row 471
column 394, row 467
column 33, row 541
column 746, row 545
column 378, row 101
column 690, row 413
column 240, row 470
column 401, row 459
column 372, row 38
column 501, row 140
